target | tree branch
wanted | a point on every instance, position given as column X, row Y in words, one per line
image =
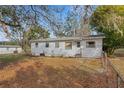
column 9, row 24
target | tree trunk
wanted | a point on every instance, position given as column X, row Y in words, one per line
column 111, row 51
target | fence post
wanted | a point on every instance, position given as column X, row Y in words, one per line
column 104, row 61
column 111, row 75
column 118, row 82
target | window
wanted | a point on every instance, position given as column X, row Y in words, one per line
column 90, row 44
column 68, row 45
column 56, row 44
column 47, row 44
column 7, row 48
column 78, row 44
column 36, row 44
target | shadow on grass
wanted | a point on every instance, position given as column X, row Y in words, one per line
column 46, row 76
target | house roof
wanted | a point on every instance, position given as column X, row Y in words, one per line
column 9, row 46
column 70, row 38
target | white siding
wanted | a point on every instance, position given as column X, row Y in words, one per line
column 61, row 51
column 9, row 50
column 52, row 51
column 92, row 52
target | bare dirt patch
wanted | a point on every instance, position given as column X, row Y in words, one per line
column 53, row 72
column 118, row 64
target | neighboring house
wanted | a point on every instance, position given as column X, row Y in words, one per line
column 86, row 46
column 10, row 49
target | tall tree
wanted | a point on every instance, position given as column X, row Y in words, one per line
column 77, row 20
column 110, row 21
column 71, row 23
column 17, row 20
column 37, row 32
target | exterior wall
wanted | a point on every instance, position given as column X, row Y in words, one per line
column 52, row 51
column 9, row 50
column 92, row 52
column 61, row 51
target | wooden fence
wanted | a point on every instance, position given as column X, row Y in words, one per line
column 114, row 79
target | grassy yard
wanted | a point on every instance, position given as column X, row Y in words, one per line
column 10, row 58
column 53, row 72
column 6, row 60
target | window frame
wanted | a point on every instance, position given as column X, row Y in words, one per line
column 47, row 45
column 7, row 48
column 56, row 44
column 67, row 48
column 36, row 44
column 90, row 44
column 78, row 44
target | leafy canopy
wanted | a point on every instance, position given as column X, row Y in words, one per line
column 110, row 21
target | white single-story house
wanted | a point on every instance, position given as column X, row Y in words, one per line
column 10, row 49
column 86, row 46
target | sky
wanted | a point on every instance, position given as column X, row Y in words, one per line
column 61, row 15
column 3, row 36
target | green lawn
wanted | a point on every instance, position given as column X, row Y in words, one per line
column 11, row 58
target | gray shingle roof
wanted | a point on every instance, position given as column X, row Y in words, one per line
column 69, row 38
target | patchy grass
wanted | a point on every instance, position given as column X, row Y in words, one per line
column 118, row 63
column 53, row 72
column 8, row 58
